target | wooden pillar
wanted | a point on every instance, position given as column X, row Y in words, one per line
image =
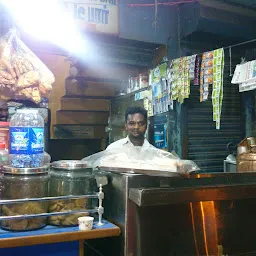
column 81, row 247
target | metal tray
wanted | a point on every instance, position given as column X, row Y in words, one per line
column 140, row 171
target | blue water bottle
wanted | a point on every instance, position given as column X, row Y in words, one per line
column 26, row 139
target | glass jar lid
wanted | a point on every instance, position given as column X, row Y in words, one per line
column 27, row 110
column 70, row 165
column 25, row 171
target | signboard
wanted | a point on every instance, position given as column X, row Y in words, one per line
column 99, row 16
column 244, row 72
column 160, row 135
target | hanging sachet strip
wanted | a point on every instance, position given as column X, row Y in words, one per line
column 186, row 62
column 206, row 75
column 217, row 92
column 197, row 69
column 191, row 66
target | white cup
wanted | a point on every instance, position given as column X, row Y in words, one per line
column 85, row 223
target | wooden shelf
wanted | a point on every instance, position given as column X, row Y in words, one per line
column 79, row 131
column 131, row 93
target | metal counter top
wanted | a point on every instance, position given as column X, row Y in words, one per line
column 197, row 187
column 166, row 196
column 189, row 180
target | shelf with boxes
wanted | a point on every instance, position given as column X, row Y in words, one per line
column 84, row 109
column 83, row 131
column 85, row 104
column 87, row 86
column 121, row 96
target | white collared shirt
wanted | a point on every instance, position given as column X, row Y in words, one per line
column 124, row 143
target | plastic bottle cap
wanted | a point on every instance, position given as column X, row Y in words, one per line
column 27, row 111
column 4, row 124
column 2, row 145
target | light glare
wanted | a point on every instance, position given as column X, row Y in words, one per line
column 47, row 20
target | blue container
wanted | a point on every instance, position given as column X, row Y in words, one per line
column 26, row 139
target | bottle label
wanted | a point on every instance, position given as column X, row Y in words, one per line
column 37, row 140
column 26, row 140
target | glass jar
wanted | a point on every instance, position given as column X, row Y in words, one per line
column 70, row 177
column 19, row 183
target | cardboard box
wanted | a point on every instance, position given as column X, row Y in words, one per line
column 86, row 87
column 79, row 132
column 81, row 117
column 85, row 104
column 107, row 71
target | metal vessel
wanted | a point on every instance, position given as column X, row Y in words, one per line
column 246, row 162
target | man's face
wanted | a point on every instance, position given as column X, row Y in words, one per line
column 136, row 126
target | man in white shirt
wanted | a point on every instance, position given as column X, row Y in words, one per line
column 136, row 126
column 135, row 152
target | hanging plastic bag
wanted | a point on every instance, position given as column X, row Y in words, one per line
column 22, row 74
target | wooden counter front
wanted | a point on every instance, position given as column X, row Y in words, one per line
column 53, row 234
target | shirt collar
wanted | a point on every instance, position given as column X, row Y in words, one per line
column 126, row 140
column 145, row 143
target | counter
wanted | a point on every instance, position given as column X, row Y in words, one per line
column 201, row 214
column 53, row 240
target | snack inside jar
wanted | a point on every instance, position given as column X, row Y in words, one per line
column 69, row 178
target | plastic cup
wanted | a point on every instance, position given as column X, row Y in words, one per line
column 85, row 223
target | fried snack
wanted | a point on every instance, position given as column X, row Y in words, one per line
column 45, row 88
column 20, row 68
column 22, row 65
column 27, row 65
column 5, row 92
column 17, row 68
column 3, row 97
column 23, row 209
column 7, row 81
column 6, row 65
column 27, row 92
column 67, row 205
column 36, row 96
column 5, row 75
column 28, row 79
column 30, row 93
column 15, row 225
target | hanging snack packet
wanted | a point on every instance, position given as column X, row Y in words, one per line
column 22, row 74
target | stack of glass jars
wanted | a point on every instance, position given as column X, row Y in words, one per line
column 25, row 177
column 70, row 178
